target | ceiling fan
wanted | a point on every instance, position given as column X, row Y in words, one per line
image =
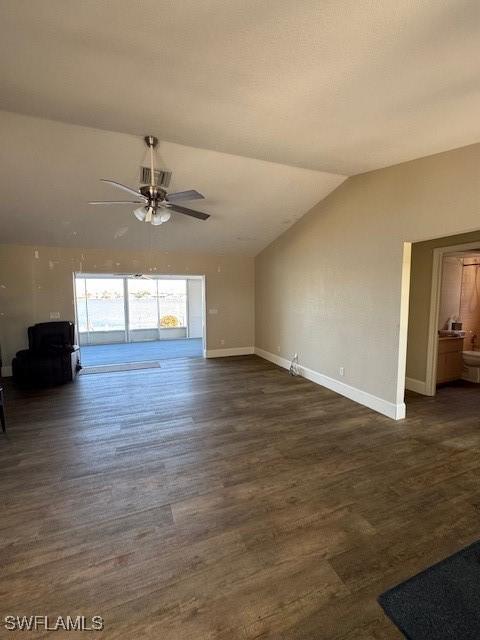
column 155, row 203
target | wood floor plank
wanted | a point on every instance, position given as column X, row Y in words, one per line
column 225, row 500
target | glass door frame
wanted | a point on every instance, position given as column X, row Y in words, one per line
column 125, row 277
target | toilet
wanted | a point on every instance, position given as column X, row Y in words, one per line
column 471, row 369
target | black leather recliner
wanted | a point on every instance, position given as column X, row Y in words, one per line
column 51, row 357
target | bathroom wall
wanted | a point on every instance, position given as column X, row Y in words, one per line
column 470, row 299
column 452, row 272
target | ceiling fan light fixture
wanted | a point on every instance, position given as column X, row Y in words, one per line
column 140, row 213
column 156, row 219
column 150, row 212
column 165, row 216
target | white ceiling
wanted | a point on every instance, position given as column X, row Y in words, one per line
column 50, row 170
column 327, row 87
column 336, row 85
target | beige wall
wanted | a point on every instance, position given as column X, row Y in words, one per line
column 420, row 295
column 31, row 287
column 330, row 288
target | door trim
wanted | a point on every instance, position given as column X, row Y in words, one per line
column 432, row 350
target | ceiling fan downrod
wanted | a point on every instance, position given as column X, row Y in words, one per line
column 151, row 141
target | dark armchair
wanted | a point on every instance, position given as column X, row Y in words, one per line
column 51, row 358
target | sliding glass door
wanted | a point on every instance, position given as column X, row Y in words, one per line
column 142, row 310
column 101, row 309
column 130, row 309
column 172, row 303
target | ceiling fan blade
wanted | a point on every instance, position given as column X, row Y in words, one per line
column 117, row 202
column 192, row 194
column 129, row 190
column 189, row 212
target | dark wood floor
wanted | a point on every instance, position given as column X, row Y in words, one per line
column 223, row 499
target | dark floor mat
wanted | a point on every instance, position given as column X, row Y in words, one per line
column 440, row 603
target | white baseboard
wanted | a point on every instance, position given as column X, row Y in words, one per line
column 234, row 351
column 419, row 386
column 386, row 408
column 6, row 372
column 272, row 357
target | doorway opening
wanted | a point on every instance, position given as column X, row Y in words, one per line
column 128, row 319
column 444, row 317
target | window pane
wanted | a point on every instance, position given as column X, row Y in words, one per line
column 173, row 303
column 105, row 304
column 142, row 304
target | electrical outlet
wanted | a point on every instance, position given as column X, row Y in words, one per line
column 54, row 315
column 222, row 342
column 342, row 371
column 278, row 348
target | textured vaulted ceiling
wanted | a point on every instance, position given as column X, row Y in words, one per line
column 335, row 85
column 50, row 170
column 327, row 87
